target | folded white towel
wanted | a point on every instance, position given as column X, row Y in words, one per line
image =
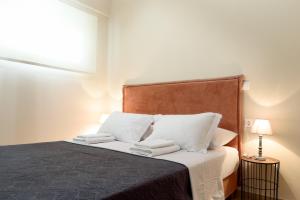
column 153, row 144
column 94, row 140
column 154, row 152
column 95, row 135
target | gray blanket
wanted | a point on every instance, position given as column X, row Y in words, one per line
column 65, row 171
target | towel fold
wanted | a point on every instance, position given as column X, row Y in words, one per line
column 154, row 152
column 94, row 135
column 153, row 144
column 95, row 140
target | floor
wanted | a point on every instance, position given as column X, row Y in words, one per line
column 237, row 196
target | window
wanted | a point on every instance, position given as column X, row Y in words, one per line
column 48, row 33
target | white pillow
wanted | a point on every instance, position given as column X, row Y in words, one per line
column 221, row 138
column 148, row 133
column 127, row 127
column 191, row 132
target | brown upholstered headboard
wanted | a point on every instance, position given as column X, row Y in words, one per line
column 221, row 95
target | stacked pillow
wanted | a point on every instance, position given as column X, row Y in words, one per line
column 127, row 127
column 221, row 138
column 190, row 132
column 196, row 132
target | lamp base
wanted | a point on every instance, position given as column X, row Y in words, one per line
column 260, row 158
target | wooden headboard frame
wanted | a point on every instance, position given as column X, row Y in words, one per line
column 221, row 95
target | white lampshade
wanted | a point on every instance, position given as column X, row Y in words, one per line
column 262, row 127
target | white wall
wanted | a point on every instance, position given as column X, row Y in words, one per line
column 167, row 40
column 101, row 5
column 39, row 104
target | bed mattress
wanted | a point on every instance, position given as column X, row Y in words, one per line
column 206, row 171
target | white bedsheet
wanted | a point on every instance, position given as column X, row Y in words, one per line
column 206, row 170
column 231, row 161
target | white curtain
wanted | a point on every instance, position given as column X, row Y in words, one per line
column 48, row 32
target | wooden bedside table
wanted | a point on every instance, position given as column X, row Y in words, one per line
column 259, row 179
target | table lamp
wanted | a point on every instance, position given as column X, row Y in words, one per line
column 261, row 127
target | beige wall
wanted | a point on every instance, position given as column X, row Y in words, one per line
column 39, row 104
column 163, row 40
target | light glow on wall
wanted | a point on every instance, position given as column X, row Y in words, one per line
column 48, row 32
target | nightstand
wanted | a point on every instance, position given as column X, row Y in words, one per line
column 259, row 179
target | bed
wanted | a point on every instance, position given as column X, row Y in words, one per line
column 221, row 95
column 65, row 170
